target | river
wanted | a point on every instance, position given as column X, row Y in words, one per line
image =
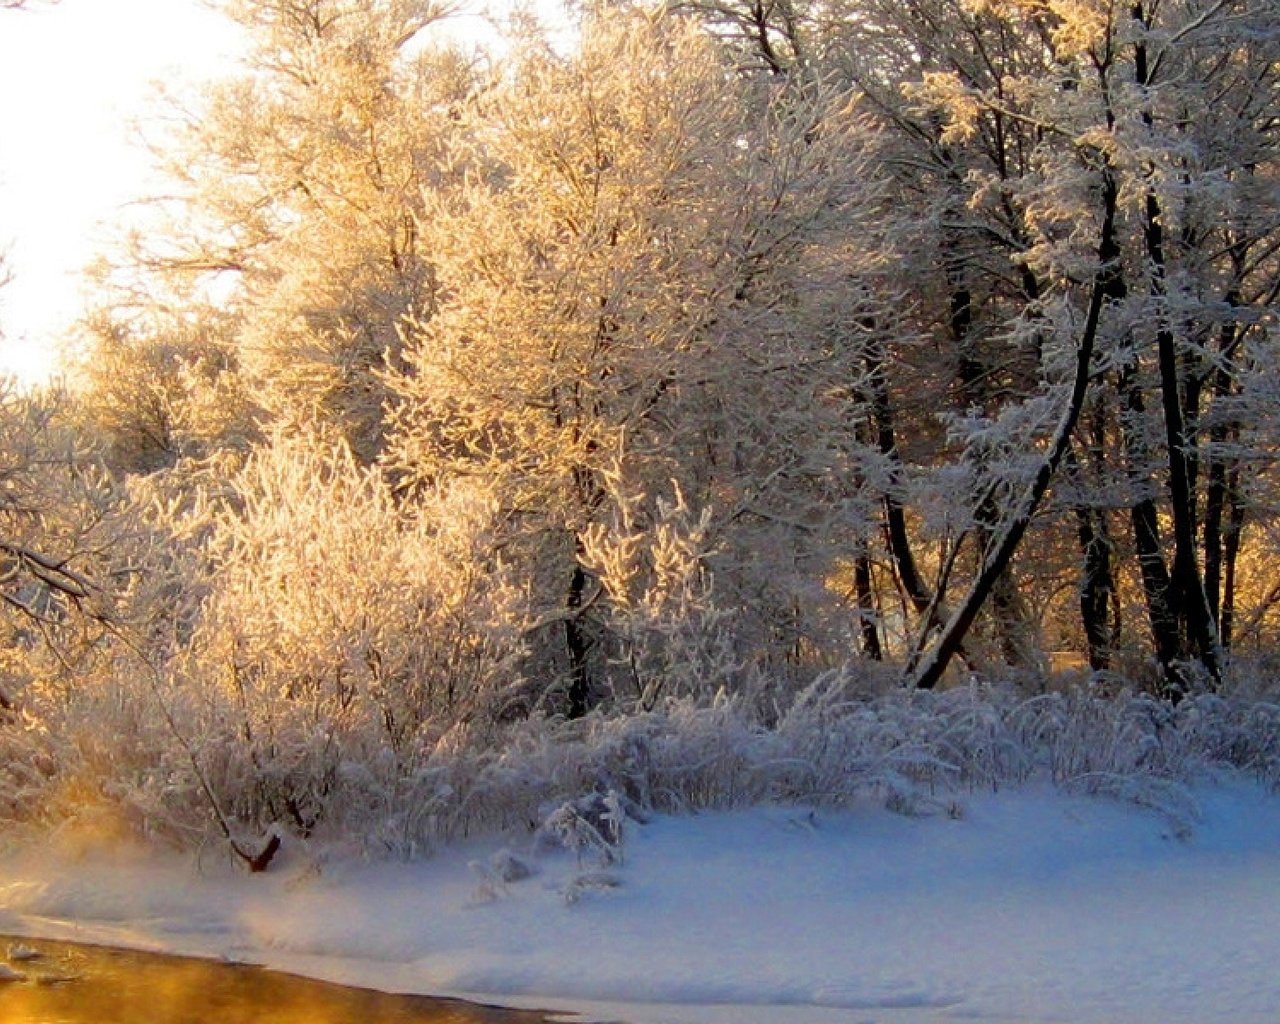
column 64, row 983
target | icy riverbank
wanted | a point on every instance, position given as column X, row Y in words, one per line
column 1024, row 905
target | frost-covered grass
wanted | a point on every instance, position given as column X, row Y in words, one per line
column 1033, row 905
column 936, row 856
column 914, row 752
column 837, row 744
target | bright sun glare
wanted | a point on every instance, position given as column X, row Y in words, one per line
column 74, row 76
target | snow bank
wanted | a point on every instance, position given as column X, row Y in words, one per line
column 1028, row 904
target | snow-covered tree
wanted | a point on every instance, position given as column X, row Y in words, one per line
column 654, row 280
column 297, row 201
column 1002, row 122
column 1144, row 86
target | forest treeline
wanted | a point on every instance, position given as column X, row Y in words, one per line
column 666, row 353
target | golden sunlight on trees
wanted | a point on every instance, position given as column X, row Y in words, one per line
column 1009, row 126
column 688, row 357
column 302, row 182
column 647, row 284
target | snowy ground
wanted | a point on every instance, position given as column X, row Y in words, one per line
column 1027, row 905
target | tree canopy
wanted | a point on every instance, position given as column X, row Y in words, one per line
column 699, row 351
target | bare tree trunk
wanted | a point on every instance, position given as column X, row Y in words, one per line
column 1223, row 476
column 1097, row 578
column 1231, row 551
column 1190, row 602
column 932, row 667
column 1219, row 493
column 1188, row 593
column 577, row 645
column 899, row 541
column 866, row 599
column 1157, row 588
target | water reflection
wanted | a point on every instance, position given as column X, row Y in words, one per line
column 69, row 984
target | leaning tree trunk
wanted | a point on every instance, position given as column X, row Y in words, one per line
column 931, row 668
column 1011, row 623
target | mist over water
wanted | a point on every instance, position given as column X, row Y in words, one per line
column 72, row 984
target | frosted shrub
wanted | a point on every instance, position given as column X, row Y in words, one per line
column 275, row 759
column 834, row 747
column 1078, row 734
column 589, row 827
column 28, row 763
column 1244, row 734
column 669, row 633
column 340, row 635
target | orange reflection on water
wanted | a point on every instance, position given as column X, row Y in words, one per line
column 68, row 984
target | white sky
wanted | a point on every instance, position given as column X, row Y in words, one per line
column 73, row 77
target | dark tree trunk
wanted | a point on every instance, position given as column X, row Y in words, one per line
column 577, row 645
column 969, row 368
column 1222, row 474
column 899, row 540
column 1231, row 553
column 1215, row 523
column 1157, row 588
column 1188, row 592
column 867, row 617
column 1097, row 579
column 931, row 668
column 1188, row 588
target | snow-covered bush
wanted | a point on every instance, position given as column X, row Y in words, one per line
column 916, row 753
column 341, row 634
column 576, row 781
column 668, row 632
column 285, row 644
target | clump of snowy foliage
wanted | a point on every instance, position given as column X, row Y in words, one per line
column 835, row 745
